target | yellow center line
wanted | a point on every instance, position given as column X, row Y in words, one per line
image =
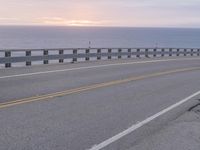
column 91, row 87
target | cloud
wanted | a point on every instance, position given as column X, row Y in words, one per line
column 101, row 12
column 67, row 22
column 8, row 19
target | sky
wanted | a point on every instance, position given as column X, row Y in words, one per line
column 130, row 13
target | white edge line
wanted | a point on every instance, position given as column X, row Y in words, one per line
column 97, row 66
column 140, row 124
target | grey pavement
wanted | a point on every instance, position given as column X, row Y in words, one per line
column 181, row 134
column 81, row 120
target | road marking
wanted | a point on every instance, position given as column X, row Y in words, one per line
column 91, row 87
column 142, row 123
column 97, row 66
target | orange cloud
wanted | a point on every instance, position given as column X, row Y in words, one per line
column 63, row 21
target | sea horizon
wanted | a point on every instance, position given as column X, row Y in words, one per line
column 39, row 37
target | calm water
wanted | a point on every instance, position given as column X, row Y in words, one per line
column 67, row 37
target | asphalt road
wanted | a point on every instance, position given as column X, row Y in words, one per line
column 76, row 106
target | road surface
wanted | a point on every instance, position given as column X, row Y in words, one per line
column 77, row 106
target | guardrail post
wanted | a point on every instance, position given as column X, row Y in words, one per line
column 185, row 52
column 146, row 52
column 75, row 51
column 87, row 51
column 177, row 54
column 28, row 54
column 138, row 53
column 119, row 53
column 61, row 52
column 129, row 53
column 163, row 52
column 46, row 53
column 109, row 53
column 195, row 52
column 7, row 54
column 98, row 54
column 191, row 53
column 170, row 52
column 154, row 52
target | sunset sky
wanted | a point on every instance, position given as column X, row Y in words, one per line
column 133, row 13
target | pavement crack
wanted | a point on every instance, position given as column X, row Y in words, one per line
column 195, row 106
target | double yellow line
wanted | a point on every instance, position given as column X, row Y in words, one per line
column 91, row 87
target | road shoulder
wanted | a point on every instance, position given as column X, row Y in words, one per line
column 180, row 134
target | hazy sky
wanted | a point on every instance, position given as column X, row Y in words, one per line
column 141, row 13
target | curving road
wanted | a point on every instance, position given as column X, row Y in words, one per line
column 77, row 106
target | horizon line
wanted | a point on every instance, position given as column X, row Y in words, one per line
column 97, row 26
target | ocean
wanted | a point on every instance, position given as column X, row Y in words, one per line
column 35, row 37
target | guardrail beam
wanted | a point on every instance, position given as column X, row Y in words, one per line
column 9, row 59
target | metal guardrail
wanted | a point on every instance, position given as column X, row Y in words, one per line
column 25, row 55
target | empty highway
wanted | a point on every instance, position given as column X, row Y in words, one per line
column 81, row 106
